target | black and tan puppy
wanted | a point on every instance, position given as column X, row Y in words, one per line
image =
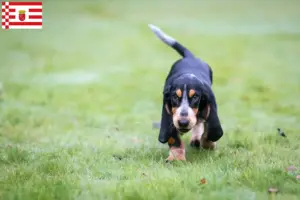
column 188, row 102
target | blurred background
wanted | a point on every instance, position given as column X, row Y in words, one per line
column 99, row 58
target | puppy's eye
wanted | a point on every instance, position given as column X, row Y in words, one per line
column 175, row 97
column 195, row 97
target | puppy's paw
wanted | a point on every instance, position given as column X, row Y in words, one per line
column 209, row 145
column 172, row 158
column 176, row 154
column 195, row 143
column 169, row 159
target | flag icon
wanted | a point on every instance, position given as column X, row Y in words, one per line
column 22, row 15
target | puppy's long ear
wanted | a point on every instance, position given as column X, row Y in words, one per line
column 205, row 102
column 210, row 114
column 166, row 124
column 214, row 128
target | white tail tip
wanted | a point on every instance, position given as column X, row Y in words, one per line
column 154, row 28
column 161, row 35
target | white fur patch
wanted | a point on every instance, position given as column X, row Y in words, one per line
column 191, row 117
column 162, row 36
column 197, row 131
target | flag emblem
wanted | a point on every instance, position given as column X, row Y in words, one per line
column 22, row 15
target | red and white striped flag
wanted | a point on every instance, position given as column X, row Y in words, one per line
column 22, row 15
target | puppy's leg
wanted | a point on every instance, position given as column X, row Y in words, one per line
column 177, row 150
column 197, row 132
column 205, row 143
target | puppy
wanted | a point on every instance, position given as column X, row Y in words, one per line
column 188, row 102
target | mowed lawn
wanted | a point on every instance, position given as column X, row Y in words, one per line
column 78, row 99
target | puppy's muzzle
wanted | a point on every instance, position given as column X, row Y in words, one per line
column 183, row 121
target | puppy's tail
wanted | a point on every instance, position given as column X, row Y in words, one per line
column 184, row 52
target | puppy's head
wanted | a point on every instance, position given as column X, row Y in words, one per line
column 185, row 97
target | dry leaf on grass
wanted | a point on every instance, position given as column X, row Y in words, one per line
column 203, row 181
column 298, row 177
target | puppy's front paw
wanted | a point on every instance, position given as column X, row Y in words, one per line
column 206, row 144
column 195, row 143
column 176, row 153
column 171, row 158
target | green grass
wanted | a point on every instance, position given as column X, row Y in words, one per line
column 79, row 97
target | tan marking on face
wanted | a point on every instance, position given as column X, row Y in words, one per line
column 191, row 92
column 174, row 110
column 167, row 109
column 195, row 110
column 179, row 93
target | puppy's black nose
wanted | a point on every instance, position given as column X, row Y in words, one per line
column 183, row 122
column 184, row 113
